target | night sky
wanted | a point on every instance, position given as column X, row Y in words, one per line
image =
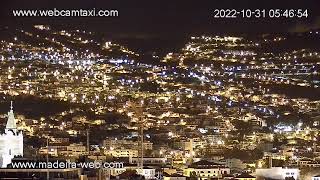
column 146, row 17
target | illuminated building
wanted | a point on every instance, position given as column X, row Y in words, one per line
column 11, row 142
column 206, row 170
column 278, row 173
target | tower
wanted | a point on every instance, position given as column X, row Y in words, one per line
column 11, row 142
column 11, row 123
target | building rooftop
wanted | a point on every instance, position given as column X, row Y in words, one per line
column 245, row 176
column 206, row 164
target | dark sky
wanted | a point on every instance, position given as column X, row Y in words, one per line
column 171, row 17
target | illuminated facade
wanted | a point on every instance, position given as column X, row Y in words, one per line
column 206, row 170
column 11, row 142
column 278, row 173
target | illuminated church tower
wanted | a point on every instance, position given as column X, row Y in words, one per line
column 11, row 142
